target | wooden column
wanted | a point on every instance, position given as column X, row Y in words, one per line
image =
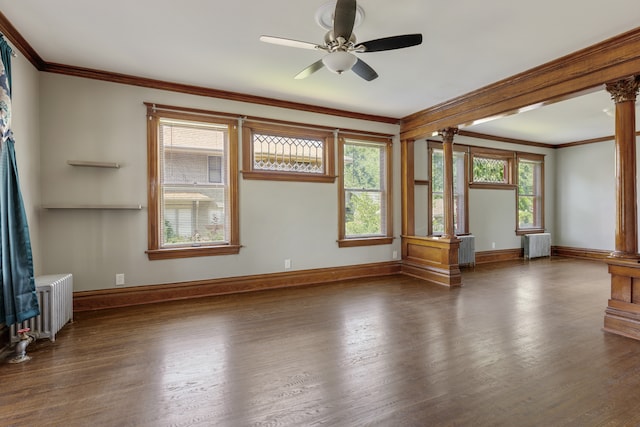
column 447, row 150
column 433, row 259
column 622, row 316
column 408, row 187
column 624, row 93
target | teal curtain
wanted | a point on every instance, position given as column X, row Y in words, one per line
column 18, row 297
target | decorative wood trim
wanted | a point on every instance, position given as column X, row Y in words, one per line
column 123, row 297
column 587, row 141
column 432, row 259
column 286, row 176
column 478, row 135
column 20, row 43
column 538, row 206
column 127, row 79
column 385, row 146
column 365, row 241
column 155, row 252
column 408, row 186
column 581, row 253
column 296, row 131
column 486, row 257
column 491, row 186
column 578, row 72
column 622, row 315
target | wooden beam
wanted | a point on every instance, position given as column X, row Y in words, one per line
column 580, row 72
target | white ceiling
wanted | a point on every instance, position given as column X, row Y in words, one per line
column 467, row 44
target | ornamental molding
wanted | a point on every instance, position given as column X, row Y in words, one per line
column 624, row 90
column 447, row 134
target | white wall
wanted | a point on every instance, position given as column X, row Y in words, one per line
column 585, row 196
column 82, row 119
column 25, row 119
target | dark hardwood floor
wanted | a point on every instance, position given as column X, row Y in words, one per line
column 519, row 345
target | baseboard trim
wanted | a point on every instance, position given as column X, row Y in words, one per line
column 486, row 257
column 582, row 253
column 138, row 295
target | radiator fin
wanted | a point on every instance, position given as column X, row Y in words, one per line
column 55, row 296
column 536, row 245
column 467, row 250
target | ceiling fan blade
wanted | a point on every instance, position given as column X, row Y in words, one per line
column 310, row 70
column 289, row 42
column 365, row 71
column 343, row 18
column 390, row 43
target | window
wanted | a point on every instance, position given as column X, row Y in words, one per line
column 530, row 200
column 365, row 191
column 436, row 190
column 215, row 169
column 491, row 168
column 287, row 153
column 192, row 166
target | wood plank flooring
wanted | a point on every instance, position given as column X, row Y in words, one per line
column 520, row 344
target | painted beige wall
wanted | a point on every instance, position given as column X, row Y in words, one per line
column 26, row 129
column 585, row 206
column 82, row 119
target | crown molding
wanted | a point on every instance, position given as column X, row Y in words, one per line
column 20, row 43
column 14, row 36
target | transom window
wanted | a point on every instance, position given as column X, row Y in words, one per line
column 491, row 168
column 192, row 163
column 365, row 195
column 291, row 153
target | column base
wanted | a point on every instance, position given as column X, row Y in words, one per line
column 627, row 256
column 622, row 315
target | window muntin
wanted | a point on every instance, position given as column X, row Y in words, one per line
column 436, row 191
column 365, row 196
column 192, row 185
column 291, row 153
column 491, row 168
column 530, row 199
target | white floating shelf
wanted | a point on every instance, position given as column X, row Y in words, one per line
column 93, row 207
column 88, row 164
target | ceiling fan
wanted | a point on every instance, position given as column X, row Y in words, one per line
column 340, row 44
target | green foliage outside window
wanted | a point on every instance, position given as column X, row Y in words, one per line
column 489, row 170
column 363, row 175
column 526, row 194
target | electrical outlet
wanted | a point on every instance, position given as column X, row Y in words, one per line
column 287, row 264
column 120, row 279
column 493, row 245
column 394, row 255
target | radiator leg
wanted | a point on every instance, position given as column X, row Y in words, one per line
column 21, row 346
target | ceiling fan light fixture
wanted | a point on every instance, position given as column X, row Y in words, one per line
column 339, row 61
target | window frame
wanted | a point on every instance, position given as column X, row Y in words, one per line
column 496, row 154
column 386, row 197
column 457, row 148
column 154, row 186
column 539, row 197
column 287, row 131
